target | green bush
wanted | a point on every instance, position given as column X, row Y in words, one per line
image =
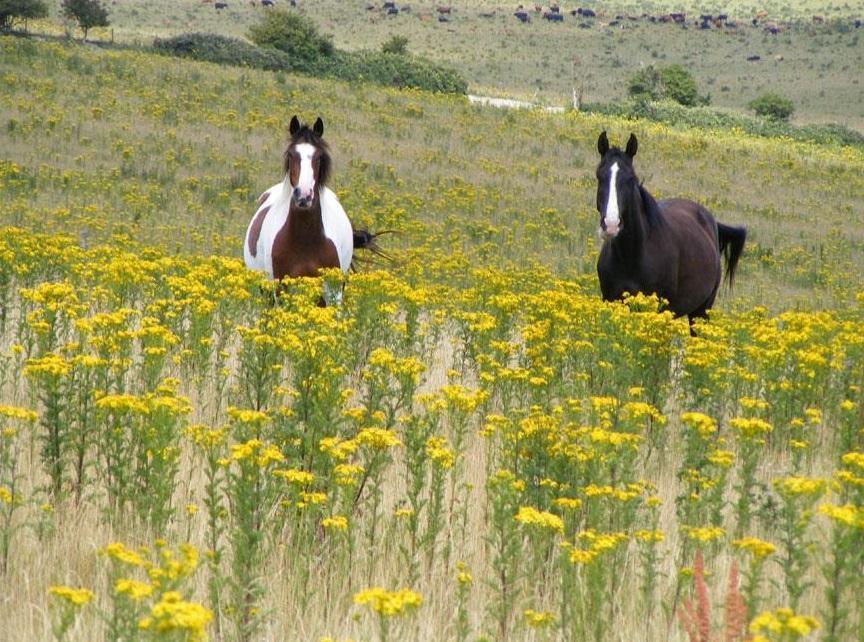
column 672, row 82
column 396, row 45
column 224, row 51
column 395, row 70
column 12, row 10
column 772, row 106
column 292, row 33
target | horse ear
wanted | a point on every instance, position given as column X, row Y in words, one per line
column 294, row 127
column 318, row 127
column 603, row 144
column 632, row 146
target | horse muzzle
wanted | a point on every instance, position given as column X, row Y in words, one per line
column 609, row 231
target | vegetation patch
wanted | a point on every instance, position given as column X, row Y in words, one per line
column 288, row 42
column 672, row 113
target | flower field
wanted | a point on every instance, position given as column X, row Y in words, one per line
column 473, row 446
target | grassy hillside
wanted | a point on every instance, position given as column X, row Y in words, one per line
column 473, row 424
column 812, row 64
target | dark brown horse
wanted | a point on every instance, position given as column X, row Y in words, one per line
column 670, row 248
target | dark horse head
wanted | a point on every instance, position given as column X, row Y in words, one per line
column 617, row 187
column 307, row 162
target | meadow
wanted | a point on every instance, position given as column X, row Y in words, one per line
column 814, row 65
column 473, row 432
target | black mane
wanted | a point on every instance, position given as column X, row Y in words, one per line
column 652, row 210
column 306, row 135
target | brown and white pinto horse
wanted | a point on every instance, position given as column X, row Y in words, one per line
column 670, row 248
column 300, row 227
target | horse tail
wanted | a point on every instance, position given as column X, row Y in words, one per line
column 366, row 240
column 731, row 239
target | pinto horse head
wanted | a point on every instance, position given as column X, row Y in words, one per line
column 307, row 162
column 616, row 181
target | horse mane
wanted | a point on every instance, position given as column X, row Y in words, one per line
column 306, row 135
column 652, row 210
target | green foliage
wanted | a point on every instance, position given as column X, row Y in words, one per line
column 10, row 10
column 396, row 45
column 292, row 33
column 772, row 106
column 88, row 14
column 370, row 66
column 224, row 51
column 671, row 82
column 672, row 113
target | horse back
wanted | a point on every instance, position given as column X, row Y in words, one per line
column 691, row 224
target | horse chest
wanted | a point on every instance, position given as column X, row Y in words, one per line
column 302, row 254
column 630, row 272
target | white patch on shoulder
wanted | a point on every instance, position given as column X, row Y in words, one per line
column 337, row 227
column 612, row 216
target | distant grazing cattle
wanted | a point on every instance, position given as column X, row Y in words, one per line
column 857, row 24
column 771, row 28
column 553, row 17
column 704, row 25
column 614, row 23
column 555, row 9
column 723, row 17
column 678, row 17
column 221, row 5
column 753, row 58
column 443, row 18
column 584, row 25
column 705, row 17
column 619, row 17
column 406, row 9
column 731, row 25
column 522, row 16
column 818, row 19
column 266, row 3
column 392, row 11
column 444, row 9
column 388, row 5
column 588, row 13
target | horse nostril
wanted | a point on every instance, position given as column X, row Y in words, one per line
column 296, row 192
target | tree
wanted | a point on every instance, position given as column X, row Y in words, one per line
column 672, row 82
column 396, row 45
column 292, row 33
column 88, row 14
column 11, row 10
column 772, row 106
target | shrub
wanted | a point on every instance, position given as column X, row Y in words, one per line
column 671, row 82
column 224, row 51
column 772, row 106
column 11, row 10
column 294, row 34
column 88, row 14
column 396, row 45
column 372, row 66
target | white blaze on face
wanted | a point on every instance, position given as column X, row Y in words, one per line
column 612, row 215
column 306, row 179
